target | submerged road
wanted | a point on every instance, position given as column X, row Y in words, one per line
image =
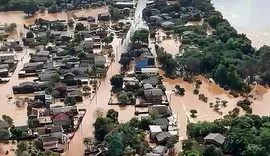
column 76, row 147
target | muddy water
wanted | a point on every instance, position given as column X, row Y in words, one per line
column 168, row 41
column 248, row 16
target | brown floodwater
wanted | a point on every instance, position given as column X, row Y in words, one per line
column 169, row 42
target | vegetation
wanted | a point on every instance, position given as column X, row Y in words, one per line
column 179, row 90
column 8, row 119
column 193, row 112
column 70, row 101
column 33, row 148
column 117, row 81
column 245, row 135
column 115, row 13
column 11, row 27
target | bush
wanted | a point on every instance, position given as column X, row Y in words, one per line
column 196, row 91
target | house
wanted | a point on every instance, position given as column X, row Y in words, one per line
column 61, row 87
column 68, row 110
column 147, row 71
column 162, row 137
column 53, row 131
column 167, row 25
column 155, row 20
column 153, row 95
column 39, row 59
column 154, row 130
column 154, row 81
column 25, row 88
column 4, row 124
column 89, row 42
column 4, row 72
column 62, row 119
column 122, row 5
column 160, row 150
column 51, row 143
column 104, row 17
column 100, row 60
column 155, row 12
column 141, row 62
column 7, row 56
column 46, row 76
column 163, row 123
column 78, row 95
column 214, row 138
column 161, row 110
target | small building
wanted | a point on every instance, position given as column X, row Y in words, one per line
column 100, row 60
column 122, row 5
column 4, row 72
column 3, row 125
column 154, row 130
column 153, row 95
column 78, row 95
column 152, row 81
column 161, row 150
column 25, row 88
column 147, row 71
column 141, row 62
column 54, row 131
column 214, row 138
column 163, row 123
column 162, row 137
column 104, row 17
column 62, row 119
column 89, row 42
column 7, row 56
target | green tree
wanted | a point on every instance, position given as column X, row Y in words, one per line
column 79, row 27
column 211, row 150
column 86, row 89
column 123, row 98
column 8, row 119
column 102, row 127
column 140, row 35
column 144, row 123
column 115, row 13
column 193, row 112
column 30, row 7
column 112, row 114
column 117, row 81
column 55, row 93
column 70, row 101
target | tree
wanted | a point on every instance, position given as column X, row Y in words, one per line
column 123, row 98
column 70, row 101
column 21, row 147
column 140, row 92
column 125, row 60
column 140, row 36
column 179, row 90
column 88, row 142
column 102, row 127
column 144, row 123
column 11, row 27
column 55, row 93
column 55, row 79
column 29, row 34
column 82, row 55
column 211, row 150
column 79, row 27
column 54, row 8
column 30, row 7
column 193, row 112
column 107, row 40
column 42, row 9
column 115, row 13
column 49, row 90
column 134, row 122
column 112, row 114
column 117, row 81
column 169, row 66
column 86, row 89
column 8, row 119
